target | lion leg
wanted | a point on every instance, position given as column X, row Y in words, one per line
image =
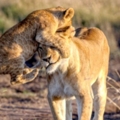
column 100, row 95
column 31, row 74
column 68, row 109
column 79, row 106
column 19, row 74
column 58, row 107
column 84, row 104
column 27, row 75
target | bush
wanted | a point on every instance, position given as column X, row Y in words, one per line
column 13, row 11
column 2, row 26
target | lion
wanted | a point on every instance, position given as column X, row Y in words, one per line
column 82, row 75
column 20, row 43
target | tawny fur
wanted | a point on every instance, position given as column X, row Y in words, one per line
column 19, row 43
column 82, row 74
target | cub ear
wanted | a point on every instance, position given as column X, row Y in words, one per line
column 69, row 13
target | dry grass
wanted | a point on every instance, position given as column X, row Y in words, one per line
column 116, row 89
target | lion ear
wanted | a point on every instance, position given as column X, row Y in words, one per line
column 69, row 13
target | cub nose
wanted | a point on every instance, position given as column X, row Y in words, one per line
column 47, row 59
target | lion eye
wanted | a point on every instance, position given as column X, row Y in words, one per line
column 47, row 59
column 52, row 47
column 40, row 48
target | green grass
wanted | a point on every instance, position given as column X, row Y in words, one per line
column 2, row 26
column 14, row 12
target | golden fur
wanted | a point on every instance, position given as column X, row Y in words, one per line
column 82, row 74
column 19, row 43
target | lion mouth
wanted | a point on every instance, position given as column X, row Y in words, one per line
column 50, row 64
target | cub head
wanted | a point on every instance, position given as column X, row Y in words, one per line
column 56, row 19
column 48, row 22
column 52, row 20
column 62, row 16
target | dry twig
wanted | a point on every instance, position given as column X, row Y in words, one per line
column 117, row 90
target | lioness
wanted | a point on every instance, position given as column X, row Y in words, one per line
column 82, row 74
column 19, row 43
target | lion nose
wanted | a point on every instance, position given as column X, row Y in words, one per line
column 47, row 59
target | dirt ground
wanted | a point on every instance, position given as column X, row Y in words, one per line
column 28, row 102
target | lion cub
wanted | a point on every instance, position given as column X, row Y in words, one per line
column 19, row 43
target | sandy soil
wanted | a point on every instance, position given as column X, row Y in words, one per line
column 28, row 102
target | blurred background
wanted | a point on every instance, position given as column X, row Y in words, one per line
column 104, row 14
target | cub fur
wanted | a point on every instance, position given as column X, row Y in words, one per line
column 82, row 74
column 19, row 44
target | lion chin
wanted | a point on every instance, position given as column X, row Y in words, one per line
column 50, row 69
